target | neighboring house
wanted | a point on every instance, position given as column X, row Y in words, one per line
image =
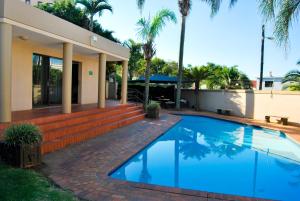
column 271, row 83
column 45, row 61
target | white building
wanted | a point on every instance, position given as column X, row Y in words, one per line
column 271, row 83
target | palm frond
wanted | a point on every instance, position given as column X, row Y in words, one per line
column 143, row 28
column 159, row 21
column 292, row 76
column 298, row 63
column 285, row 12
column 289, row 11
column 216, row 4
column 141, row 4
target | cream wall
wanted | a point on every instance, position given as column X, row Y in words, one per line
column 22, row 73
column 250, row 104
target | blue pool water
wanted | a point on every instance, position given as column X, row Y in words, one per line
column 218, row 156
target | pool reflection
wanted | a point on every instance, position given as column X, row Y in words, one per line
column 217, row 156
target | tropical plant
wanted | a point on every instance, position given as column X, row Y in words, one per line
column 284, row 12
column 291, row 80
column 93, row 7
column 228, row 78
column 148, row 30
column 67, row 10
column 22, row 134
column 198, row 74
column 185, row 8
column 135, row 56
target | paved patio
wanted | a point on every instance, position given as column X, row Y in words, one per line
column 84, row 168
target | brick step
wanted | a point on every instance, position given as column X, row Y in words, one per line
column 93, row 122
column 85, row 118
column 60, row 117
column 60, row 143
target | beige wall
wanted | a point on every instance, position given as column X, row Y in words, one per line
column 250, row 104
column 22, row 74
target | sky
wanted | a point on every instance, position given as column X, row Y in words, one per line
column 232, row 37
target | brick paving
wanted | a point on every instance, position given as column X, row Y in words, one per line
column 83, row 168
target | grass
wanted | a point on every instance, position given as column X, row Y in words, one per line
column 27, row 185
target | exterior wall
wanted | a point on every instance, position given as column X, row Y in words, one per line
column 35, row 2
column 22, row 74
column 250, row 104
column 20, row 14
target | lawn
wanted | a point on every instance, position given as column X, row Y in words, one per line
column 27, row 185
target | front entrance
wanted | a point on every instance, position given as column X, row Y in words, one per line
column 47, row 81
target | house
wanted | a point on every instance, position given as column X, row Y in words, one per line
column 46, row 61
column 271, row 83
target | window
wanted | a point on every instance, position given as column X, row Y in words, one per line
column 268, row 84
column 27, row 1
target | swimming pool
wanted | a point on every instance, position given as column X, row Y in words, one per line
column 206, row 154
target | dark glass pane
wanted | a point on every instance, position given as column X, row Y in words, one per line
column 55, row 81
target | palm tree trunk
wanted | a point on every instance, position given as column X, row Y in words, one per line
column 180, row 70
column 197, row 103
column 147, row 83
column 91, row 24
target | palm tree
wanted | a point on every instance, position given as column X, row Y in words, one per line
column 148, row 30
column 298, row 63
column 185, row 8
column 92, row 7
column 292, row 80
column 284, row 12
column 198, row 74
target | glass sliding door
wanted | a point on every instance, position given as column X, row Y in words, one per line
column 55, row 81
column 47, row 81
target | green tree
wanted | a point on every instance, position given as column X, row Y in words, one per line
column 135, row 56
column 197, row 75
column 285, row 12
column 291, row 80
column 67, row 10
column 185, row 8
column 93, row 7
column 170, row 68
column 148, row 30
column 157, row 65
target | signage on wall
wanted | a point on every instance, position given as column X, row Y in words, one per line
column 90, row 73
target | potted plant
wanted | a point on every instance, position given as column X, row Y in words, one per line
column 153, row 110
column 22, row 145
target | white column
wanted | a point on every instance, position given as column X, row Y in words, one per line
column 67, row 78
column 5, row 71
column 102, row 80
column 124, row 82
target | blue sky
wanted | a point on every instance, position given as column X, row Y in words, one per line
column 232, row 37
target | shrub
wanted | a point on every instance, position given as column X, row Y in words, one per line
column 21, row 134
column 153, row 106
column 153, row 110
